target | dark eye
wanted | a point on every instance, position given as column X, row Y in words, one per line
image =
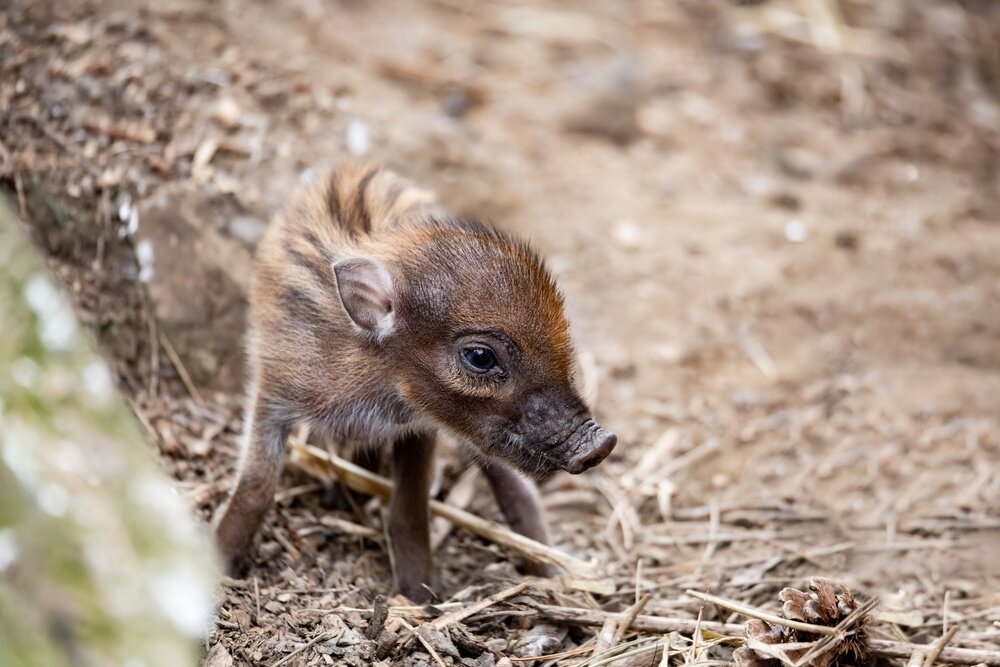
column 479, row 358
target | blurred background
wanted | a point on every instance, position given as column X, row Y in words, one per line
column 776, row 223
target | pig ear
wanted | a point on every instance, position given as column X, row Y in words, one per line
column 366, row 290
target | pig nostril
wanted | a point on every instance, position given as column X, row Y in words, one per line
column 605, row 442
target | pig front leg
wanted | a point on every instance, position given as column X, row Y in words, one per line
column 409, row 520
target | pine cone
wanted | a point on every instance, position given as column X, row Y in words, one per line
column 825, row 604
column 820, row 607
column 760, row 634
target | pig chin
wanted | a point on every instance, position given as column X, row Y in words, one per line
column 531, row 460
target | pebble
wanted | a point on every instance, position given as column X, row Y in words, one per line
column 539, row 640
column 795, row 231
column 242, row 618
column 218, row 657
column 358, row 137
column 497, row 645
column 227, row 113
column 627, row 234
column 349, row 638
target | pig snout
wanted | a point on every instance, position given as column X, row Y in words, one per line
column 593, row 452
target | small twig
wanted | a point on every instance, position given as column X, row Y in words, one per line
column 944, row 612
column 596, row 618
column 605, row 636
column 713, row 532
column 293, row 553
column 633, row 648
column 753, row 612
column 423, row 640
column 256, row 596
column 696, row 635
column 622, row 513
column 154, row 347
column 307, row 591
column 181, row 370
column 638, row 580
column 630, row 615
column 315, row 640
column 939, row 645
column 917, row 658
column 295, row 491
column 460, row 495
column 722, row 538
column 684, row 460
column 416, row 611
column 345, row 527
column 460, row 615
column 759, row 356
column 654, row 456
column 579, row 650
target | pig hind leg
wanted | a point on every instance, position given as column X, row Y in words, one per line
column 257, row 480
column 518, row 500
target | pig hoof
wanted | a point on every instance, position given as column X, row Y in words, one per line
column 418, row 593
column 547, row 570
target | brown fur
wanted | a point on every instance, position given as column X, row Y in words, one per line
column 365, row 302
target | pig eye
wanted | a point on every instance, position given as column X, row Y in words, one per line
column 479, row 358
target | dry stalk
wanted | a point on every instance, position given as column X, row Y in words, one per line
column 956, row 656
column 917, row 658
column 345, row 527
column 691, row 456
column 622, row 513
column 630, row 615
column 884, row 648
column 460, row 495
column 753, row 612
column 605, row 636
column 595, row 618
column 636, row 647
column 256, row 595
column 423, row 640
column 579, row 650
column 655, row 455
column 460, row 615
column 323, row 636
column 407, row 611
column 327, row 466
column 182, row 371
column 713, row 533
column 938, row 646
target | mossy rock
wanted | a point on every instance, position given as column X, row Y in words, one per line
column 101, row 561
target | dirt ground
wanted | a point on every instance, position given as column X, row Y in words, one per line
column 779, row 238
